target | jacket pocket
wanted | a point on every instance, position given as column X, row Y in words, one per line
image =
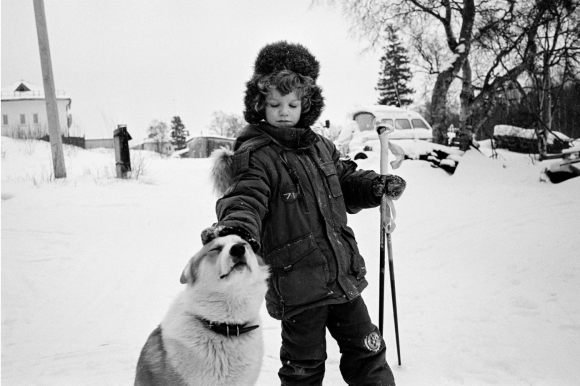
column 329, row 171
column 301, row 272
column 357, row 263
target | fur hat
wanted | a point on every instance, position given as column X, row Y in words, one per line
column 280, row 56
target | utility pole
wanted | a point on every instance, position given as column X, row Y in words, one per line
column 49, row 91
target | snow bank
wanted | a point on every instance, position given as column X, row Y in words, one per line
column 486, row 265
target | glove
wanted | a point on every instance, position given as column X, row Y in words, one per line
column 215, row 231
column 395, row 187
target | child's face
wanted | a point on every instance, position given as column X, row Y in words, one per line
column 283, row 111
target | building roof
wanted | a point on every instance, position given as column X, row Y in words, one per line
column 23, row 89
column 213, row 136
column 149, row 140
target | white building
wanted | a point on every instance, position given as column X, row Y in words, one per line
column 161, row 147
column 24, row 111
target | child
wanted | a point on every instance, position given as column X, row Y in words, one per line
column 289, row 196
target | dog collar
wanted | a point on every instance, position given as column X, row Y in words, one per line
column 228, row 329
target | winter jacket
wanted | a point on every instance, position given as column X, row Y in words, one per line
column 291, row 193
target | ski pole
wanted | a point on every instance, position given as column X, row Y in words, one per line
column 394, row 295
column 387, row 226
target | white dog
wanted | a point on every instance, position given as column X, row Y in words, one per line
column 210, row 334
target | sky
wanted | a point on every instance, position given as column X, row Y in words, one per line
column 131, row 62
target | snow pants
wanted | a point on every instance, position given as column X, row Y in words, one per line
column 303, row 352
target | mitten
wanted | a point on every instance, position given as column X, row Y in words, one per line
column 395, row 187
column 215, row 231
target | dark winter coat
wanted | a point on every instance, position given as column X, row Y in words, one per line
column 291, row 193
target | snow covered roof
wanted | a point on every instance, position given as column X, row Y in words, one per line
column 202, row 135
column 378, row 109
column 383, row 111
column 26, row 90
column 180, row 153
column 515, row 131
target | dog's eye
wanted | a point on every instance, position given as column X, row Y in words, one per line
column 217, row 249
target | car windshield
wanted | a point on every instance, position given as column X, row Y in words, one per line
column 418, row 124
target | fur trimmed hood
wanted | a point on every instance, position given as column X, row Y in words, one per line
column 280, row 56
column 222, row 170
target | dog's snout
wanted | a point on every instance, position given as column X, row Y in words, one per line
column 238, row 250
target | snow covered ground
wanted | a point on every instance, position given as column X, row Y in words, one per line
column 487, row 268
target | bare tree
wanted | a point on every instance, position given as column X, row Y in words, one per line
column 158, row 132
column 228, row 125
column 558, row 52
column 510, row 46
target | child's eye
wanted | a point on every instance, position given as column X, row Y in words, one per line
column 294, row 106
column 274, row 105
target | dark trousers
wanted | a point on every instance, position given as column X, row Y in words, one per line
column 303, row 351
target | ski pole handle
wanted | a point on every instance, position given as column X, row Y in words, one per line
column 388, row 213
column 383, row 131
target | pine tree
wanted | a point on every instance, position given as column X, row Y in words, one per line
column 178, row 133
column 395, row 73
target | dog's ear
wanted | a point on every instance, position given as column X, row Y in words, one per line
column 183, row 279
column 189, row 272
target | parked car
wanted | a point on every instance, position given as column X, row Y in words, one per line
column 362, row 137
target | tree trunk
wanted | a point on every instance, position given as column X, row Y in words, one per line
column 444, row 79
column 439, row 106
column 466, row 134
column 546, row 109
column 466, row 96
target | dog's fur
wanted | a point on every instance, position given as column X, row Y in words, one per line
column 183, row 351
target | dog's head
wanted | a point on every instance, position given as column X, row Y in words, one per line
column 225, row 260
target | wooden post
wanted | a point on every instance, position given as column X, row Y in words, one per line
column 118, row 163
column 49, row 91
column 121, row 138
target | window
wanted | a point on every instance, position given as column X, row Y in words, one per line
column 5, row 119
column 35, row 118
column 365, row 121
column 418, row 124
column 402, row 124
column 22, row 119
column 387, row 122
